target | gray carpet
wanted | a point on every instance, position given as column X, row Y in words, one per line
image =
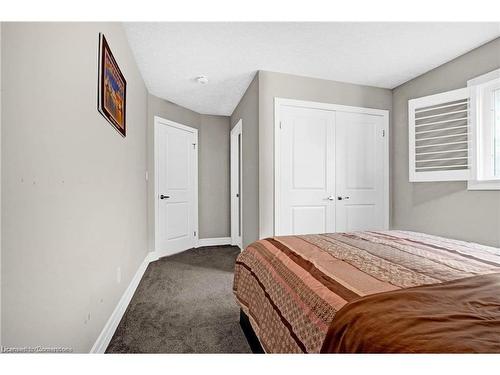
column 184, row 304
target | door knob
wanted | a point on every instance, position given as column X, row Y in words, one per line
column 331, row 198
column 164, row 196
column 342, row 198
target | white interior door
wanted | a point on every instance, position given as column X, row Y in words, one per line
column 176, row 187
column 306, row 171
column 361, row 172
column 236, row 183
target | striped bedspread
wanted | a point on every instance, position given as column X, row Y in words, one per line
column 291, row 287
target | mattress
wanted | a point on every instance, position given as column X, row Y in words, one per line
column 291, row 287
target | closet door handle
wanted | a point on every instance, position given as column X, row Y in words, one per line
column 343, row 198
column 164, row 196
column 331, row 198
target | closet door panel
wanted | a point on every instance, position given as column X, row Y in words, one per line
column 360, row 172
column 307, row 171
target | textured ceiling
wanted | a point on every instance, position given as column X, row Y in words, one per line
column 171, row 55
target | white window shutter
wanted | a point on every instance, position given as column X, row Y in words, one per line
column 439, row 137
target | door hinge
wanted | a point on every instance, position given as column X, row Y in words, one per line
column 281, row 125
column 195, row 233
column 383, row 133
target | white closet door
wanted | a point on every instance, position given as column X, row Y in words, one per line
column 360, row 172
column 307, row 171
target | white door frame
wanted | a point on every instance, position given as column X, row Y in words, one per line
column 159, row 121
column 278, row 102
column 236, row 163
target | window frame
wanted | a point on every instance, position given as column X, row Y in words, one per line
column 480, row 137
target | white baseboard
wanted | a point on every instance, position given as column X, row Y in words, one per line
column 109, row 329
column 220, row 241
column 153, row 255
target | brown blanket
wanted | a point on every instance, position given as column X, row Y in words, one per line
column 292, row 287
column 460, row 316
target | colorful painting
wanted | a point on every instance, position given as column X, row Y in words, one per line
column 112, row 88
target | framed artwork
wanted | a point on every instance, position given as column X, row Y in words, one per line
column 112, row 90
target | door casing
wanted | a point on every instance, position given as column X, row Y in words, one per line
column 279, row 102
column 236, row 174
column 159, row 121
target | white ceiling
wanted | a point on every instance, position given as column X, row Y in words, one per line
column 171, row 55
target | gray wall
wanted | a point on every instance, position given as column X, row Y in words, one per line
column 214, row 181
column 73, row 189
column 248, row 110
column 213, row 166
column 281, row 85
column 442, row 208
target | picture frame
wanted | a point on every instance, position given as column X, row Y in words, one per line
column 112, row 88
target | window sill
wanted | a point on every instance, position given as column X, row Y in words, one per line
column 483, row 185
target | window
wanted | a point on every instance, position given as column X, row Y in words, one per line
column 485, row 121
column 455, row 135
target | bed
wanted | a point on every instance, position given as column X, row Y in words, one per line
column 371, row 291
